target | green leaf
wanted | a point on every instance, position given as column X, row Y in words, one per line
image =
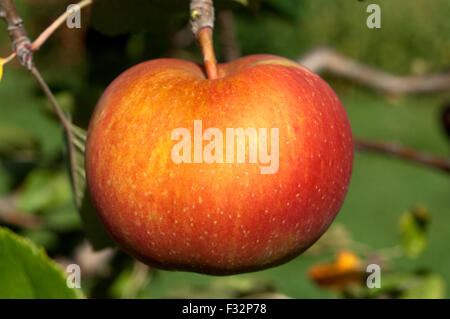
column 429, row 286
column 76, row 162
column 391, row 283
column 27, row 272
column 26, row 124
column 13, row 139
column 64, row 218
column 43, row 190
column 95, row 231
column 46, row 239
column 66, row 101
column 413, row 226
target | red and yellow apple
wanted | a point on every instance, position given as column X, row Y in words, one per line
column 217, row 218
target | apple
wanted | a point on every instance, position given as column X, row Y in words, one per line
column 203, row 211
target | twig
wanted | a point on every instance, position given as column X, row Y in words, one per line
column 231, row 49
column 18, row 37
column 21, row 44
column 4, row 61
column 403, row 152
column 327, row 60
column 64, row 121
column 10, row 214
column 9, row 58
column 67, row 125
column 56, row 24
column 17, row 33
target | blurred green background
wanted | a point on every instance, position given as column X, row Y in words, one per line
column 36, row 198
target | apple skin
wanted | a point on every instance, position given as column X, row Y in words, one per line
column 216, row 218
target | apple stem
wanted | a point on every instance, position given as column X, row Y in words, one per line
column 209, row 58
column 202, row 23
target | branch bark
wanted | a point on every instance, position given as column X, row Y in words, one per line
column 56, row 24
column 66, row 123
column 327, row 60
column 202, row 18
column 399, row 151
column 10, row 214
column 19, row 39
column 202, row 15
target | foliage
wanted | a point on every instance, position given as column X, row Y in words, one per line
column 26, row 271
column 78, row 64
column 413, row 230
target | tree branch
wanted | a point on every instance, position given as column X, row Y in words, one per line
column 59, row 112
column 66, row 123
column 19, row 39
column 405, row 153
column 56, row 24
column 21, row 45
column 10, row 214
column 202, row 15
column 327, row 60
